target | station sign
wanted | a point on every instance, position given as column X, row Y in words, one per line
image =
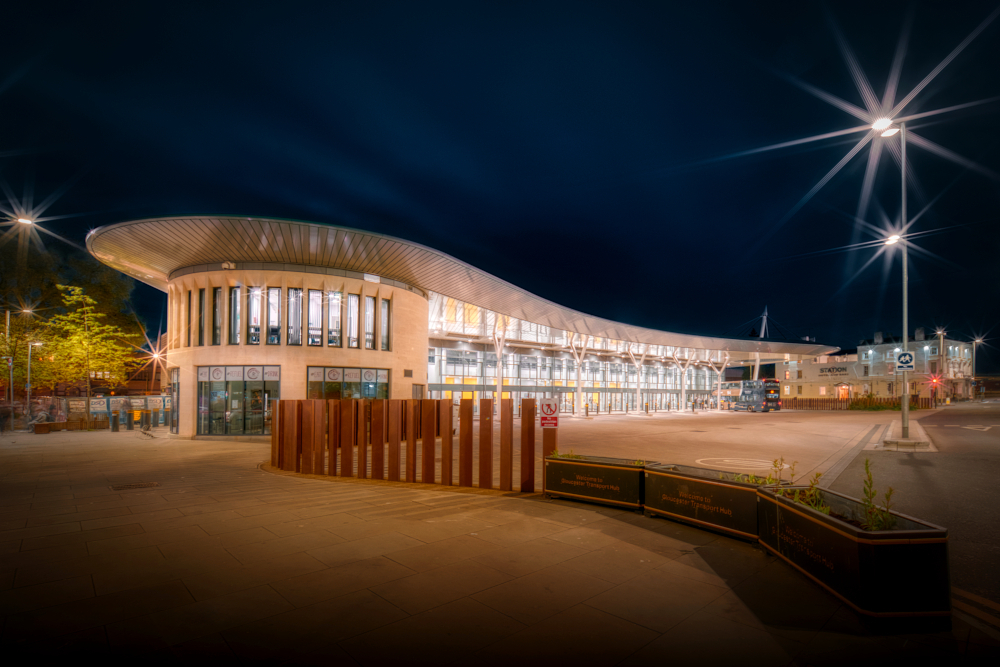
column 548, row 410
column 904, row 362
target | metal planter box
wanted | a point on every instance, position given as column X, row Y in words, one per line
column 891, row 574
column 707, row 498
column 596, row 479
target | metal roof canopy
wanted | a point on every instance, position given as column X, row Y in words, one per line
column 151, row 250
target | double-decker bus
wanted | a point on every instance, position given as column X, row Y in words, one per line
column 758, row 396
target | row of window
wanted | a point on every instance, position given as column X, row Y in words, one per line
column 263, row 317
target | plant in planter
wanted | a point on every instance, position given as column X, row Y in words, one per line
column 884, row 564
column 596, row 479
column 876, row 518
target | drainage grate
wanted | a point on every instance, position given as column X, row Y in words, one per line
column 139, row 485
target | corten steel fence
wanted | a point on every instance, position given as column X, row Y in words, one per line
column 921, row 403
column 402, row 440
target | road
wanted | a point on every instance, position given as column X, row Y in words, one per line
column 956, row 487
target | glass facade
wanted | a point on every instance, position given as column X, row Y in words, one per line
column 384, row 325
column 237, row 400
column 254, row 306
column 607, row 384
column 201, row 316
column 175, row 398
column 314, row 336
column 334, row 300
column 352, row 319
column 234, row 315
column 216, row 316
column 294, row 316
column 328, row 383
column 274, row 316
column 369, row 323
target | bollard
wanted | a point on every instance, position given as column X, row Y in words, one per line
column 129, row 421
column 586, row 410
column 114, row 423
column 647, row 408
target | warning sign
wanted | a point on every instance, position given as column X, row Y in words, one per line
column 549, row 412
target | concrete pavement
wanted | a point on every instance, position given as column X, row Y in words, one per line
column 222, row 562
column 955, row 487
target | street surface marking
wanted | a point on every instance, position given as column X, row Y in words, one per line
column 978, row 428
column 752, row 464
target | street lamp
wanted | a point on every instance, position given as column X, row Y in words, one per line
column 28, row 386
column 26, row 221
column 885, row 125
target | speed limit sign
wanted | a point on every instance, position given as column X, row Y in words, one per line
column 549, row 412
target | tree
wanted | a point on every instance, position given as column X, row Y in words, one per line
column 14, row 339
column 82, row 345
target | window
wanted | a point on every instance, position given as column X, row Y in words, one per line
column 798, row 390
column 788, row 389
column 274, row 316
column 294, row 316
column 188, row 339
column 333, row 300
column 822, row 391
column 369, row 323
column 237, row 400
column 315, row 324
column 201, row 316
column 934, row 349
column 933, row 367
column 798, row 375
column 217, row 316
column 864, row 370
column 384, row 325
column 234, row 315
column 788, row 375
column 353, row 302
column 254, row 305
column 175, row 399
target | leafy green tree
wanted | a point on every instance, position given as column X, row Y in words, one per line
column 81, row 342
column 14, row 339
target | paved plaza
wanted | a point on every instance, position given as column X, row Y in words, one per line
column 223, row 561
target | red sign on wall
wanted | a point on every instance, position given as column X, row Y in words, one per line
column 548, row 411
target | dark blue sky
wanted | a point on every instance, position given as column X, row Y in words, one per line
column 560, row 146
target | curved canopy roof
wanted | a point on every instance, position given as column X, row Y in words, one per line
column 151, row 250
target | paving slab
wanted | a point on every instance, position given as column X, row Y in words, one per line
column 226, row 562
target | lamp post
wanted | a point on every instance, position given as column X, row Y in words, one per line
column 885, row 125
column 28, row 386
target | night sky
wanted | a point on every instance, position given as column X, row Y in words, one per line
column 569, row 148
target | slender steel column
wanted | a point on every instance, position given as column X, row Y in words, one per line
column 905, row 405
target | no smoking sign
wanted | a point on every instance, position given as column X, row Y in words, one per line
column 549, row 412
